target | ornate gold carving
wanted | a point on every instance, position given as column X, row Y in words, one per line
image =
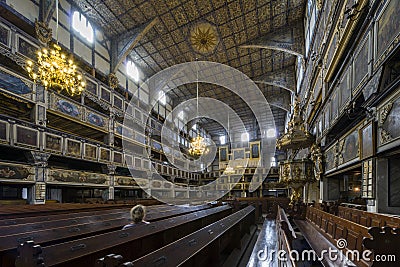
column 297, row 173
column 43, row 31
column 204, row 38
column 385, row 112
column 296, row 137
column 384, row 136
column 316, row 157
column 347, row 32
column 319, row 4
column 113, row 80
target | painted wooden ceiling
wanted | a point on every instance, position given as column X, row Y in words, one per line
column 258, row 37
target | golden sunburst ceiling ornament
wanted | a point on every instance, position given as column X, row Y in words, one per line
column 204, row 38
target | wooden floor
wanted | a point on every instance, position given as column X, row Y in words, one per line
column 266, row 242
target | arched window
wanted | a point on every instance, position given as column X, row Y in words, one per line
column 81, row 25
column 132, row 71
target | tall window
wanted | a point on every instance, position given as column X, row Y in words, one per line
column 132, row 71
column 162, row 98
column 273, row 162
column 81, row 25
column 222, row 139
column 271, row 133
column 245, row 137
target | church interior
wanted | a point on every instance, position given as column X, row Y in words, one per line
column 248, row 133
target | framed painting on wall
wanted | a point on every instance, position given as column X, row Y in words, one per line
column 254, row 150
column 350, row 147
column 367, row 144
column 223, row 153
column 53, row 143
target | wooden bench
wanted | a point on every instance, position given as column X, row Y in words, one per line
column 323, row 230
column 286, row 237
column 369, row 219
column 85, row 228
column 269, row 205
column 77, row 220
column 131, row 243
column 69, row 215
column 208, row 246
column 21, row 211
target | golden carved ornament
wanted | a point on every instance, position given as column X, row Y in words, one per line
column 384, row 136
column 113, row 80
column 204, row 38
column 385, row 112
column 43, row 31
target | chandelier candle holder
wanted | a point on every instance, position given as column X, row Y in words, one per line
column 197, row 146
column 54, row 71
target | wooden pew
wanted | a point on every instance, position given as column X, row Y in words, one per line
column 22, row 211
column 132, row 243
column 70, row 215
column 77, row 220
column 286, row 237
column 324, row 230
column 85, row 228
column 269, row 205
column 369, row 219
column 205, row 247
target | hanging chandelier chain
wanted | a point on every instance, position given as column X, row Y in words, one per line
column 197, row 92
column 57, row 21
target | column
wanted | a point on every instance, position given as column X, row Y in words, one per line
column 111, row 172
column 38, row 191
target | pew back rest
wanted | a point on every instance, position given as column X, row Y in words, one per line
column 86, row 228
column 186, row 249
column 369, row 219
column 64, row 252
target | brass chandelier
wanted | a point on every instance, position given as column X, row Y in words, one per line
column 54, row 71
column 198, row 145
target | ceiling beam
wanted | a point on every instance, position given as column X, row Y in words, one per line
column 291, row 90
column 46, row 10
column 122, row 46
column 286, row 39
column 284, row 78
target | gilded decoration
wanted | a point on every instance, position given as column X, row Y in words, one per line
column 43, row 31
column 8, row 171
column 77, row 177
column 346, row 24
column 384, row 136
column 385, row 112
column 125, row 181
column 316, row 157
column 296, row 137
column 113, row 80
column 389, row 123
column 204, row 38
